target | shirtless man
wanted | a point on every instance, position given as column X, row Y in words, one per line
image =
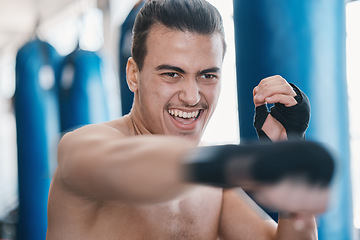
column 125, row 179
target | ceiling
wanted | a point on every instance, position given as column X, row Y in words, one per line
column 19, row 18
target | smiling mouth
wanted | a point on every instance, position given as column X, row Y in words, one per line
column 183, row 116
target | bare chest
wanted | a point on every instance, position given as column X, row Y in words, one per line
column 178, row 220
column 194, row 217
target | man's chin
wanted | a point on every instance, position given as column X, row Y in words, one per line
column 191, row 135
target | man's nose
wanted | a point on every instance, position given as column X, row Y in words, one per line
column 190, row 92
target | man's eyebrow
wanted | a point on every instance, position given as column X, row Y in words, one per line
column 169, row 67
column 180, row 70
column 210, row 70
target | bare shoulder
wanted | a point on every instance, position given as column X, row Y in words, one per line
column 122, row 125
column 119, row 126
column 96, row 132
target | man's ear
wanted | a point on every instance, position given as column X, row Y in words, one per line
column 132, row 74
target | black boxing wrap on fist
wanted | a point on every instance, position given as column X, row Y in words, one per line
column 295, row 119
column 265, row 163
column 261, row 113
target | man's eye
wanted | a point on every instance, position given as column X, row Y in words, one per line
column 208, row 76
column 171, row 74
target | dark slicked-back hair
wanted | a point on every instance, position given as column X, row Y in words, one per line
column 196, row 16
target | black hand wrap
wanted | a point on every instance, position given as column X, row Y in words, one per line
column 261, row 113
column 236, row 165
column 295, row 119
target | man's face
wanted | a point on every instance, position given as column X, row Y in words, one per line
column 179, row 83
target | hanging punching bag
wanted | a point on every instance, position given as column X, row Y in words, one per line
column 82, row 96
column 127, row 96
column 304, row 41
column 37, row 126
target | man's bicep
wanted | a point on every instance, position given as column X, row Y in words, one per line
column 241, row 218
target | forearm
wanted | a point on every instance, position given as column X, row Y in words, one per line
column 300, row 227
column 107, row 166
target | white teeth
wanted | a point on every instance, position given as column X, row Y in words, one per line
column 179, row 113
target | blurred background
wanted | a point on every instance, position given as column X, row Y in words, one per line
column 62, row 66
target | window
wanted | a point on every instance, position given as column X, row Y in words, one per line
column 353, row 77
column 224, row 125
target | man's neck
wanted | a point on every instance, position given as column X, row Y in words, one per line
column 138, row 125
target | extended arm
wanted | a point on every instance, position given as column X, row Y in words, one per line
column 99, row 162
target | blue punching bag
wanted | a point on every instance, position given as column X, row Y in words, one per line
column 38, row 128
column 304, row 41
column 127, row 96
column 82, row 95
